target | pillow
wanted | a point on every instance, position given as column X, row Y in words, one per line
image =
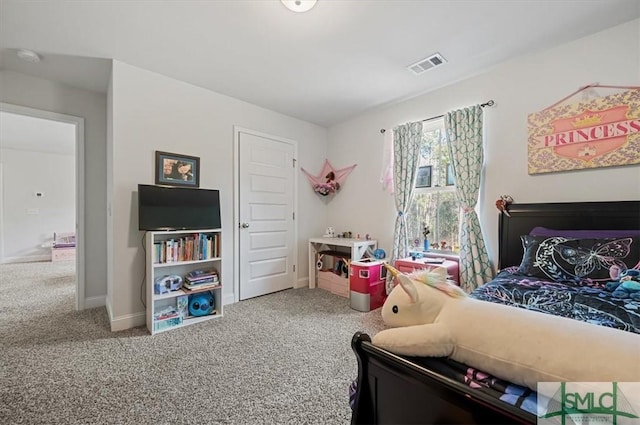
column 563, row 259
column 594, row 234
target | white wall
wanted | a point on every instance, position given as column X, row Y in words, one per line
column 38, row 93
column 152, row 112
column 29, row 221
column 519, row 87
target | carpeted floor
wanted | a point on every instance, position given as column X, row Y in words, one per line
column 280, row 358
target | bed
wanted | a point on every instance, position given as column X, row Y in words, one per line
column 398, row 389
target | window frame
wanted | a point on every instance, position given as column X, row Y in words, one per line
column 435, row 187
column 423, row 171
column 431, row 125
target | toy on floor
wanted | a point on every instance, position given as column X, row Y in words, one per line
column 431, row 317
column 627, row 286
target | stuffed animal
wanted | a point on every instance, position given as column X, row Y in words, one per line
column 503, row 204
column 331, row 185
column 431, row 317
column 627, row 286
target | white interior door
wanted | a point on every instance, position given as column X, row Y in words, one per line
column 266, row 198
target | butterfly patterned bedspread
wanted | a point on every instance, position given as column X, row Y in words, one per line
column 590, row 303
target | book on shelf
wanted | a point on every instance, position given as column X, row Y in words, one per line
column 200, row 277
column 206, row 281
column 189, row 288
column 201, row 273
column 155, row 254
column 166, row 314
column 212, row 280
column 182, row 305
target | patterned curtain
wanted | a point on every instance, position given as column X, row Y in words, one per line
column 464, row 135
column 406, row 154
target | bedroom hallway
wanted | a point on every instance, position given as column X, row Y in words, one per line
column 279, row 358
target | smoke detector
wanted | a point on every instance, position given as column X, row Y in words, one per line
column 28, row 55
column 427, row 64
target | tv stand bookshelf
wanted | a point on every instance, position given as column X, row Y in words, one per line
column 177, row 253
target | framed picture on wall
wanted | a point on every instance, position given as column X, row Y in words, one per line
column 424, row 176
column 174, row 169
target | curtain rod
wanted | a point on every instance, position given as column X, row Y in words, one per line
column 482, row 105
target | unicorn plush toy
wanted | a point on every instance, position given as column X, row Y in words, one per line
column 431, row 317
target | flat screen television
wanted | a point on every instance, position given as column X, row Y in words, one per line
column 177, row 208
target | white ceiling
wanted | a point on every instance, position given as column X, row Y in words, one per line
column 36, row 134
column 324, row 66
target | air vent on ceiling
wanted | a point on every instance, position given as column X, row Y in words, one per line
column 426, row 64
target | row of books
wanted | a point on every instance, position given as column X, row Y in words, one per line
column 199, row 246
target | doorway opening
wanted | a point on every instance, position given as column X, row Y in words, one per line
column 42, row 189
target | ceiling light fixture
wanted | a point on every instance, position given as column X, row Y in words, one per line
column 299, row 5
column 28, row 55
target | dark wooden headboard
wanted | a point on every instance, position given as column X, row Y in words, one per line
column 622, row 215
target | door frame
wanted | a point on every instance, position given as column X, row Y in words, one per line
column 78, row 122
column 236, row 204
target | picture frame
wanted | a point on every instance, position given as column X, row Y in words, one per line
column 174, row 169
column 423, row 178
column 451, row 181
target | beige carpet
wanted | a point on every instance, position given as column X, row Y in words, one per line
column 281, row 358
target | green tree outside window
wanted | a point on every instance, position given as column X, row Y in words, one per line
column 435, row 207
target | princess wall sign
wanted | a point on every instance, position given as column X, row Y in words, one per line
column 593, row 133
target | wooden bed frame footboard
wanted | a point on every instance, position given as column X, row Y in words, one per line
column 394, row 390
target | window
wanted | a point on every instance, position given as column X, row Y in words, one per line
column 434, row 202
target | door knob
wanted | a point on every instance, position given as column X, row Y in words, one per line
column 244, row 225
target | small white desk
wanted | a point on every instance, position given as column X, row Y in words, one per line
column 359, row 249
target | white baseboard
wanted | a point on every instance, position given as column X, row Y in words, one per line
column 128, row 321
column 134, row 320
column 93, row 302
column 302, row 283
column 26, row 259
column 107, row 304
column 228, row 299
